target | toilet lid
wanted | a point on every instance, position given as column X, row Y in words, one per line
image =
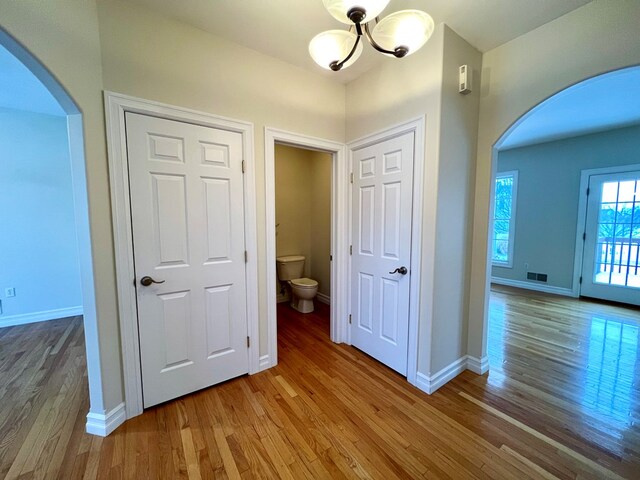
column 304, row 282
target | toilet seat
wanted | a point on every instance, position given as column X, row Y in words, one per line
column 304, row 282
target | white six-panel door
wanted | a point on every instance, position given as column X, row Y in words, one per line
column 188, row 233
column 381, row 235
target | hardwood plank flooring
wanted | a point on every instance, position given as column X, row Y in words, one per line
column 561, row 401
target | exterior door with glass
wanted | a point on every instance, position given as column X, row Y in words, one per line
column 611, row 255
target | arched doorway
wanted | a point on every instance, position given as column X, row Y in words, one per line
column 570, row 359
column 72, row 115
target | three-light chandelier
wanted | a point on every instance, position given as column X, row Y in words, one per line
column 398, row 34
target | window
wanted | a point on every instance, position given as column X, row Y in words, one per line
column 504, row 219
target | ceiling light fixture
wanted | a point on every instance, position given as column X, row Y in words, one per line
column 399, row 34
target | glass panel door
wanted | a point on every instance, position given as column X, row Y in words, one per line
column 611, row 263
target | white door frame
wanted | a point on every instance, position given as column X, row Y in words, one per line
column 339, row 233
column 417, row 126
column 116, row 105
column 582, row 216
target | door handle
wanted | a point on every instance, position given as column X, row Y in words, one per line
column 146, row 281
column 400, row 270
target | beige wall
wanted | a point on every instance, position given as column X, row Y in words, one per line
column 303, row 210
column 426, row 84
column 181, row 65
column 456, row 174
column 321, row 170
column 120, row 47
column 63, row 35
column 601, row 36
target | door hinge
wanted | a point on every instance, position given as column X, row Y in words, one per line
column 350, row 249
column 246, row 257
column 331, row 258
column 588, row 190
column 580, row 281
column 584, row 236
column 243, row 166
column 349, row 319
column 248, row 342
column 351, row 177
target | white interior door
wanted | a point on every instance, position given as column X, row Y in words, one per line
column 188, row 235
column 381, row 250
column 611, row 261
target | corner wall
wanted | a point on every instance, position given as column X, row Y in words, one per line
column 518, row 76
column 400, row 90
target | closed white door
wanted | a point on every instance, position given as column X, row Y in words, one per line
column 611, row 261
column 188, row 235
column 381, row 250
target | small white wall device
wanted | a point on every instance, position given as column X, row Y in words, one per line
column 464, row 79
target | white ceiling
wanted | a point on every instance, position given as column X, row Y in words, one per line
column 283, row 28
column 21, row 90
column 602, row 103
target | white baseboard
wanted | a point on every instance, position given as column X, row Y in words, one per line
column 430, row 384
column 13, row 320
column 540, row 287
column 326, row 299
column 478, row 365
column 102, row 424
column 265, row 363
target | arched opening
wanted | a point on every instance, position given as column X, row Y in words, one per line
column 52, row 118
column 565, row 213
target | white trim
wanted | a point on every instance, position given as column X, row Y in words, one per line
column 582, row 216
column 512, row 220
column 115, row 107
column 339, row 229
column 44, row 316
column 417, row 126
column 478, row 365
column 265, row 363
column 326, row 299
column 540, row 287
column 103, row 424
column 430, row 384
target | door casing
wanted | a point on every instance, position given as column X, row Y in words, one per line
column 341, row 231
column 116, row 105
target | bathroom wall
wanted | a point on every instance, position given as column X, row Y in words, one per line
column 303, row 210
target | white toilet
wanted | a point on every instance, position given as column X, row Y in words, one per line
column 303, row 290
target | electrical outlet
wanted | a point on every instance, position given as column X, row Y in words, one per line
column 10, row 292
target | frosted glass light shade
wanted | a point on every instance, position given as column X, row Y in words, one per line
column 334, row 46
column 339, row 8
column 406, row 28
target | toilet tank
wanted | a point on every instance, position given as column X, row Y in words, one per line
column 290, row 267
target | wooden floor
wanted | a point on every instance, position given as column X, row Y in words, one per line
column 562, row 400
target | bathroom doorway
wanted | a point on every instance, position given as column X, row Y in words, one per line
column 307, row 184
column 303, row 227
